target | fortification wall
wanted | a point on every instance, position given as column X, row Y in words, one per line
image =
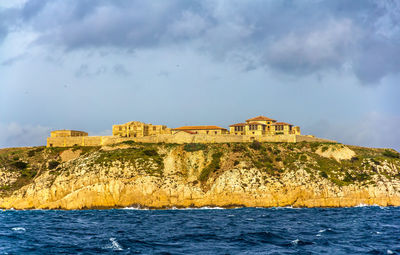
column 304, row 138
column 179, row 138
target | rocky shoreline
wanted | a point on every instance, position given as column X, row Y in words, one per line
column 163, row 176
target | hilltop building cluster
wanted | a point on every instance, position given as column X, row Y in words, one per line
column 259, row 128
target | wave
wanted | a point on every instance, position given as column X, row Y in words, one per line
column 115, row 246
column 366, row 205
column 177, row 208
column 18, row 229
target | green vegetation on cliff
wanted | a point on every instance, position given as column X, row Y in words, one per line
column 339, row 164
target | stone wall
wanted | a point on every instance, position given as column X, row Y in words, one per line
column 180, row 138
column 306, row 138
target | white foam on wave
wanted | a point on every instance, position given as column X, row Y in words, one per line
column 366, row 205
column 115, row 246
column 389, row 252
column 135, row 208
column 176, row 208
column 18, row 229
column 199, row 208
column 295, row 242
column 285, row 207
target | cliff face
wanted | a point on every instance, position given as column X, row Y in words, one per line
column 195, row 175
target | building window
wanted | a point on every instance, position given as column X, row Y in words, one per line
column 253, row 127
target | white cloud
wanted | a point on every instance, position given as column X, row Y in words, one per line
column 17, row 135
column 375, row 129
column 327, row 46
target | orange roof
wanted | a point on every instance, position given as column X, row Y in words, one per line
column 256, row 123
column 238, row 125
column 199, row 128
column 188, row 131
column 260, row 118
column 282, row 123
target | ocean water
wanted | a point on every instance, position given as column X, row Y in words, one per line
column 359, row 230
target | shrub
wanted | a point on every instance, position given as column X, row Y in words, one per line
column 303, row 158
column 191, row 147
column 150, row 152
column 15, row 158
column 236, row 162
column 130, row 142
column 354, row 159
column 278, row 159
column 239, row 148
column 323, row 174
column 53, row 164
column 28, row 173
column 255, row 145
column 391, row 154
column 276, row 152
column 325, row 148
column 212, row 167
column 31, row 153
column 20, row 165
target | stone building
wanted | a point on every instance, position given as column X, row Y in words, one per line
column 139, row 129
column 261, row 126
column 207, row 130
column 67, row 133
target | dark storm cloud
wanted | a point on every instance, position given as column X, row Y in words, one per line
column 293, row 37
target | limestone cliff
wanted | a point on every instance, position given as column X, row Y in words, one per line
column 196, row 175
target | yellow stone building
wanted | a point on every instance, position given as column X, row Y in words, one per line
column 262, row 126
column 139, row 129
column 67, row 133
column 207, row 130
column 258, row 128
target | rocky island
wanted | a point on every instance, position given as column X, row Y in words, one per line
column 305, row 174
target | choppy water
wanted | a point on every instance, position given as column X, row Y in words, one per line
column 360, row 230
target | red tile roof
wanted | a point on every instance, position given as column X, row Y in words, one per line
column 260, row 118
column 238, row 125
column 282, row 123
column 199, row 128
column 189, row 132
column 256, row 123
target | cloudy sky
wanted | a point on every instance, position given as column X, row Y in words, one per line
column 331, row 67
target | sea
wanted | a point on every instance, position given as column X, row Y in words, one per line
column 357, row 230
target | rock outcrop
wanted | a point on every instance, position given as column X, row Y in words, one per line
column 225, row 175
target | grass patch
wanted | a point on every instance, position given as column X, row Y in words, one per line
column 324, row 148
column 130, row 142
column 148, row 159
column 391, row 154
column 212, row 167
column 191, row 147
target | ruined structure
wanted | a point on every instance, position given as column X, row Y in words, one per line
column 139, row 129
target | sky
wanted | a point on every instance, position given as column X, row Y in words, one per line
column 330, row 67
